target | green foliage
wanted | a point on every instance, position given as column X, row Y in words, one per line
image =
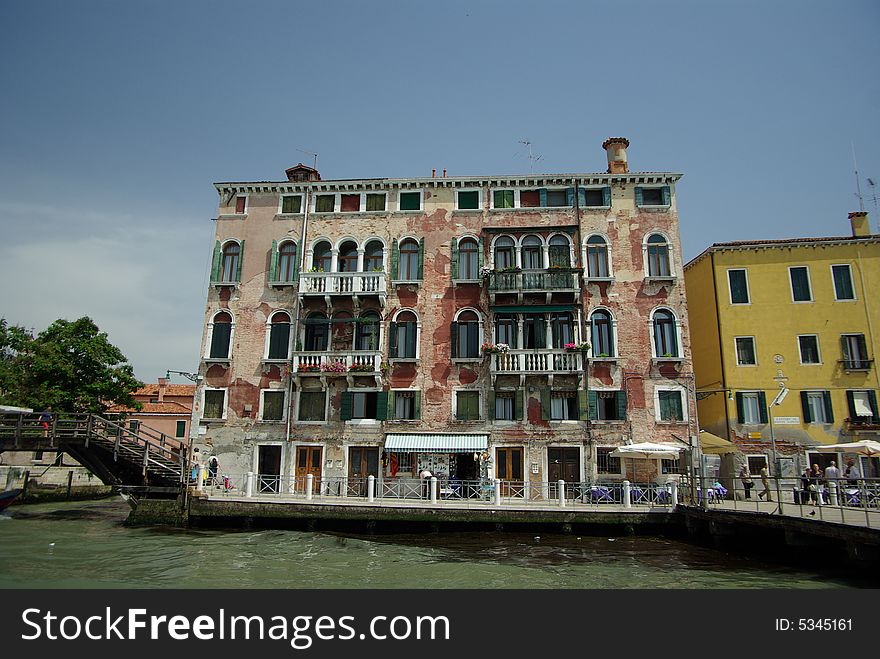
column 70, row 366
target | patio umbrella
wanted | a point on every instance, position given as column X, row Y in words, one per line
column 866, row 447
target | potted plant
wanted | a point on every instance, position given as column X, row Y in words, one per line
column 489, row 348
column 577, row 347
column 334, row 367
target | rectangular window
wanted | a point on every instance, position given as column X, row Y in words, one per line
column 215, row 401
column 739, row 286
column 134, row 425
column 563, row 406
column 405, row 405
column 756, row 463
column 800, row 284
column 376, row 202
column 38, row 456
column 350, row 203
column 670, row 466
column 502, row 199
column 556, row 198
column 273, row 405
column 605, row 462
column 291, row 203
column 410, row 201
column 504, row 406
column 671, row 408
column 652, row 197
column 855, row 352
column 325, row 203
column 594, row 197
column 529, row 199
column 750, row 408
column 808, row 345
column 363, row 405
column 468, row 200
column 745, row 351
column 467, row 340
column 180, row 430
column 467, row 405
column 843, row 284
column 240, row 204
column 817, row 406
column 610, row 406
column 312, row 405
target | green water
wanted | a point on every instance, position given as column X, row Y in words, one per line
column 85, row 545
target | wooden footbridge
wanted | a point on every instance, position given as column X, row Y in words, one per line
column 134, row 460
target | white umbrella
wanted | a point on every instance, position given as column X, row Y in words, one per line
column 864, row 447
column 647, row 451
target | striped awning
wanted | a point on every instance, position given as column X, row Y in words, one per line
column 435, row 443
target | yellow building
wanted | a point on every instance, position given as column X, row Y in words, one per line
column 801, row 314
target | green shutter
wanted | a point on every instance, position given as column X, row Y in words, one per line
column 491, row 398
column 240, row 261
column 582, row 197
column 829, row 408
column 421, row 274
column 545, row 404
column 411, row 331
column 851, row 404
column 454, row 258
column 518, row 405
column 479, row 253
column 872, row 401
column 606, row 196
column 296, row 263
column 417, row 405
column 667, row 195
column 392, row 405
column 392, row 339
column 762, row 406
column 215, row 263
column 592, row 405
column 805, row 406
column 621, row 405
column 542, row 196
column 473, row 339
column 395, row 258
column 584, row 405
column 639, row 199
column 540, row 333
column 382, row 405
column 273, row 262
column 740, row 409
column 454, row 339
column 569, row 196
column 345, row 406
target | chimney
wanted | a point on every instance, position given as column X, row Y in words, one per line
column 444, row 172
column 162, row 383
column 434, row 173
column 615, row 147
column 859, row 223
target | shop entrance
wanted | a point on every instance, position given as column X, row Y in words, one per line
column 308, row 461
column 509, row 470
column 465, row 467
column 563, row 464
column 363, row 461
column 269, row 469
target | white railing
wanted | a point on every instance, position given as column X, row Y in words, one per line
column 337, row 363
column 536, row 361
column 342, row 283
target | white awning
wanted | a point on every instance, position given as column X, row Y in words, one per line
column 435, row 443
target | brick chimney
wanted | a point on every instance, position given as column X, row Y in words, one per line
column 859, row 223
column 162, row 383
column 615, row 148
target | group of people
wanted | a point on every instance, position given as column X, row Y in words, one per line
column 812, row 480
column 212, row 467
column 748, row 483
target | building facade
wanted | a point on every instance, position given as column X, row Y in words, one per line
column 165, row 408
column 511, row 327
column 799, row 314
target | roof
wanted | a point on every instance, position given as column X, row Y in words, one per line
column 781, row 242
column 187, row 390
column 155, row 408
column 435, row 443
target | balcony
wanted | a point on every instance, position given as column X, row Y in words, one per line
column 856, row 364
column 858, row 424
column 354, row 284
column 339, row 364
column 555, row 280
column 548, row 362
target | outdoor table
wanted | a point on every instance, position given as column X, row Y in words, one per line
column 599, row 493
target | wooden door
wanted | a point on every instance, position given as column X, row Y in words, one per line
column 563, row 464
column 308, row 461
column 269, row 469
column 509, row 470
column 363, row 461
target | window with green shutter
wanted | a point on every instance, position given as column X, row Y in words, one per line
column 291, row 204
column 468, row 200
column 376, row 202
column 410, row 201
column 467, row 405
column 502, row 199
column 180, row 430
column 273, row 406
column 671, row 408
column 312, row 405
column 592, row 197
column 325, row 203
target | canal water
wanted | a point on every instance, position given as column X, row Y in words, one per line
column 86, row 545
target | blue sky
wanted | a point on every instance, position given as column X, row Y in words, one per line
column 118, row 116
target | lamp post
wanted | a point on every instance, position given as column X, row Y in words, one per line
column 192, row 377
column 783, row 392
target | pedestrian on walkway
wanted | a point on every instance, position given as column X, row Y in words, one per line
column 832, row 473
column 765, row 481
column 46, row 419
column 747, row 481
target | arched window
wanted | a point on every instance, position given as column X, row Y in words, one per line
column 602, row 340
column 404, row 336
column 658, row 256
column 560, row 252
column 409, row 260
column 317, row 332
column 286, row 261
column 532, row 256
column 597, row 257
column 322, row 257
column 373, row 255
column 466, row 335
column 562, row 329
column 665, row 334
column 348, row 257
column 230, row 262
column 506, row 329
column 505, row 253
column 221, row 333
column 468, row 259
column 367, row 332
column 279, row 336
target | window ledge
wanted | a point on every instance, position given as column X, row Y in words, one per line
column 589, row 279
column 609, row 422
column 267, row 421
column 609, row 360
column 653, row 207
column 467, row 360
column 674, row 360
column 653, row 278
column 225, row 284
column 404, row 360
column 467, row 210
column 662, row 422
column 312, row 423
column 595, row 208
column 409, row 212
column 207, row 420
column 287, row 216
column 406, row 282
column 406, row 421
column 363, row 422
column 232, row 216
column 217, row 360
column 281, row 284
column 457, row 282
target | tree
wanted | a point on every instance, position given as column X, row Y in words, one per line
column 13, row 341
column 70, row 366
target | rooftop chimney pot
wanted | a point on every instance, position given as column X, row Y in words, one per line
column 162, row 383
column 615, row 148
column 859, row 223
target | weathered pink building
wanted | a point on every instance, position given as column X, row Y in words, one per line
column 165, row 408
column 353, row 327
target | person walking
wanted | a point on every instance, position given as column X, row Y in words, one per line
column 194, row 462
column 45, row 420
column 747, row 481
column 851, row 473
column 765, row 481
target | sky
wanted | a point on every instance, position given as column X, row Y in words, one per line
column 117, row 117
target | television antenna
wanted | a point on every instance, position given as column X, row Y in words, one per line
column 858, row 186
column 532, row 158
column 313, row 154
